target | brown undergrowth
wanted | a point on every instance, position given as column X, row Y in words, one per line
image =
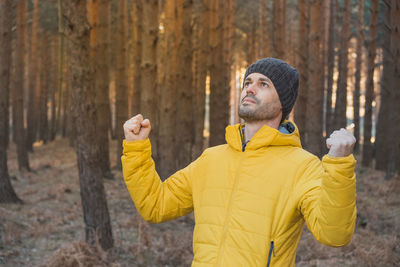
column 47, row 230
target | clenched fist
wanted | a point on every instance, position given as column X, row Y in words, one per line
column 340, row 143
column 137, row 128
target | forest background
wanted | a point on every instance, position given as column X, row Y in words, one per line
column 72, row 72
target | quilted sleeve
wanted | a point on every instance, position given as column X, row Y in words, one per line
column 156, row 201
column 328, row 199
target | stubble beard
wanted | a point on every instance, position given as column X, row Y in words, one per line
column 261, row 112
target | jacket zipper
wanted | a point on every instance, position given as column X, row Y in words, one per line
column 244, row 144
column 271, row 252
column 229, row 212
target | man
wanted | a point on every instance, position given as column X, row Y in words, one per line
column 251, row 196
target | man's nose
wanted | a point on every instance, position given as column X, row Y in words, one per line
column 251, row 89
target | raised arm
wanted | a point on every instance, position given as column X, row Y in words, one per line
column 155, row 200
column 328, row 192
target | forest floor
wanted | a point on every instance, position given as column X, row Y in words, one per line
column 47, row 230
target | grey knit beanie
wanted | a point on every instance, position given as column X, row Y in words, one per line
column 284, row 77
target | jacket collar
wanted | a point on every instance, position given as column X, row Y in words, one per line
column 265, row 137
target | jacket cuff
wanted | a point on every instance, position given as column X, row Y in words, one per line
column 134, row 146
column 340, row 168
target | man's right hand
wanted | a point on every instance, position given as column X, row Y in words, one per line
column 137, row 128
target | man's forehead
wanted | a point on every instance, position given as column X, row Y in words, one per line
column 258, row 76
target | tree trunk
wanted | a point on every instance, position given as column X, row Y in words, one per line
column 340, row 119
column 60, row 66
column 201, row 67
column 331, row 65
column 7, row 193
column 184, row 117
column 227, row 46
column 251, row 52
column 369, row 92
column 112, row 37
column 302, row 56
column 44, row 73
column 137, row 16
column 315, row 92
column 121, row 80
column 34, row 78
column 95, row 210
column 65, row 91
column 356, row 95
column 54, row 85
column 167, row 164
column 394, row 151
column 219, row 91
column 384, row 123
column 279, row 26
column 265, row 35
column 148, row 103
column 102, row 84
column 18, row 100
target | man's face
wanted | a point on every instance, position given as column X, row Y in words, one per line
column 259, row 100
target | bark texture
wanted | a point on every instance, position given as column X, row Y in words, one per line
column 279, row 26
column 167, row 164
column 219, row 84
column 18, row 94
column 34, row 81
column 331, row 65
column 98, row 14
column 394, row 152
column 94, row 203
column 356, row 94
column 200, row 72
column 148, row 94
column 137, row 18
column 313, row 138
column 382, row 143
column 340, row 119
column 121, row 79
column 44, row 71
column 184, row 124
column 7, row 193
column 302, row 61
column 369, row 91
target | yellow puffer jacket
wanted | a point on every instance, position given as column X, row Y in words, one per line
column 249, row 206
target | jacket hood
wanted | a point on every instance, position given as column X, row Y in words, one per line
column 265, row 137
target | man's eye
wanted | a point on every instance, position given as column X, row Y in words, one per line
column 246, row 84
column 264, row 84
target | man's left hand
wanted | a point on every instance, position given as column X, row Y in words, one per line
column 340, row 143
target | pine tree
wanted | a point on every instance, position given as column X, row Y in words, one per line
column 34, row 81
column 7, row 193
column 302, row 56
column 315, row 91
column 201, row 61
column 382, row 142
column 18, row 99
column 356, row 95
column 369, row 92
column 98, row 17
column 331, row 65
column 44, row 72
column 184, row 124
column 167, row 132
column 148, row 88
column 394, row 152
column 137, row 17
column 121, row 79
column 340, row 119
column 94, row 203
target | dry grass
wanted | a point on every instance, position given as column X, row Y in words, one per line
column 48, row 229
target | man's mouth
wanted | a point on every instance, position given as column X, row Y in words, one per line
column 249, row 99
